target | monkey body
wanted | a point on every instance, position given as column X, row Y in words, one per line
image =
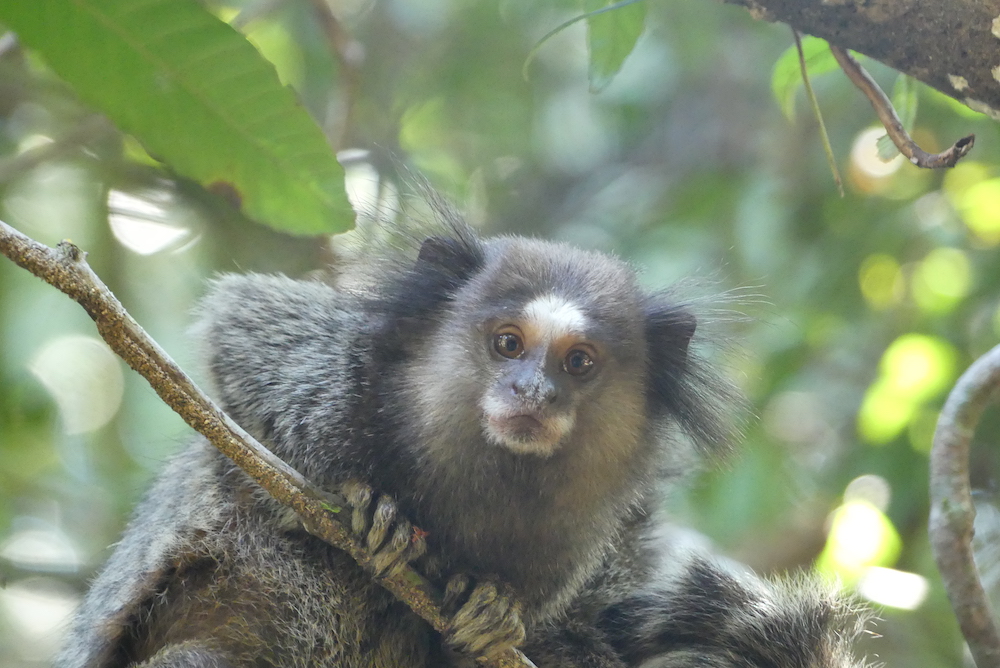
column 515, row 398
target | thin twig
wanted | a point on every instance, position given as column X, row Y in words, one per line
column 824, row 137
column 349, row 54
column 893, row 126
column 65, row 267
column 952, row 511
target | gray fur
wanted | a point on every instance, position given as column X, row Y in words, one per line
column 378, row 379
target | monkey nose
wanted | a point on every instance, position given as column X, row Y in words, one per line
column 535, row 392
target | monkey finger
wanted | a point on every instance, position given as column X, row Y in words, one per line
column 359, row 496
column 488, row 635
column 455, row 593
column 488, row 623
column 396, row 552
column 382, row 522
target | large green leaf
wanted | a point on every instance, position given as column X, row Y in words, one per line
column 198, row 96
column 613, row 29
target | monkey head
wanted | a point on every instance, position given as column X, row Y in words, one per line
column 543, row 348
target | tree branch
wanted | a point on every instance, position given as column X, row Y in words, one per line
column 893, row 126
column 952, row 512
column 65, row 267
column 951, row 46
column 349, row 54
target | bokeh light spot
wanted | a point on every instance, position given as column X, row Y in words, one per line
column 141, row 223
column 942, row 279
column 871, row 488
column 896, row 589
column 883, row 414
column 914, row 368
column 881, row 281
column 38, row 609
column 980, row 209
column 963, row 176
column 864, row 155
column 918, row 365
column 860, row 536
column 40, row 550
column 85, row 379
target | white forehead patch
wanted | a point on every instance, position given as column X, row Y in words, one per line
column 555, row 316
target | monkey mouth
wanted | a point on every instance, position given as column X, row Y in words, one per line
column 526, row 426
column 527, row 433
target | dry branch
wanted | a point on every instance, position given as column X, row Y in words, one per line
column 952, row 512
column 65, row 268
column 893, row 126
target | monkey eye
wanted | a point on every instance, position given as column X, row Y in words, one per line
column 508, row 345
column 577, row 362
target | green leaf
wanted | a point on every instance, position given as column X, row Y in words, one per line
column 905, row 100
column 198, row 96
column 787, row 74
column 885, row 148
column 612, row 31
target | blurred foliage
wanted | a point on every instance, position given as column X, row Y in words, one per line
column 863, row 312
column 197, row 95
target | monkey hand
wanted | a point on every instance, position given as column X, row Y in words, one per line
column 487, row 622
column 391, row 541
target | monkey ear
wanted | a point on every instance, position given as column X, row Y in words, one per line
column 669, row 329
column 444, row 263
column 449, row 254
column 681, row 385
column 436, row 250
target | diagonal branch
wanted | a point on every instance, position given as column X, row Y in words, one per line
column 893, row 126
column 952, row 512
column 65, row 267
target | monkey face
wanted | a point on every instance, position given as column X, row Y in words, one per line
column 539, row 351
column 541, row 363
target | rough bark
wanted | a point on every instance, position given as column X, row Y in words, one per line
column 951, row 45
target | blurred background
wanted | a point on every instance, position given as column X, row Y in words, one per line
column 864, row 309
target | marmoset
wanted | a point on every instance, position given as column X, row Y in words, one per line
column 522, row 402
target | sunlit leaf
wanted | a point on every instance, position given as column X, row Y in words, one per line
column 787, row 75
column 198, row 96
column 612, row 30
column 905, row 100
column 885, row 148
